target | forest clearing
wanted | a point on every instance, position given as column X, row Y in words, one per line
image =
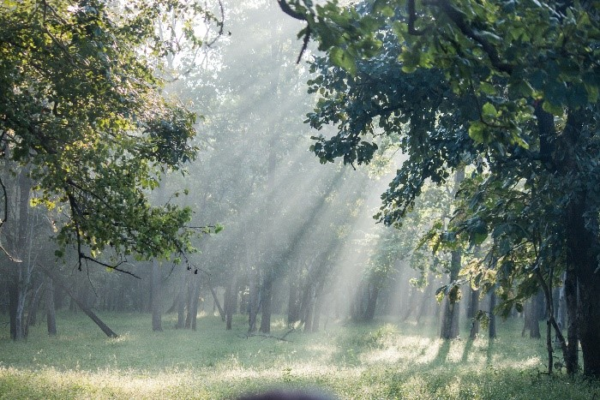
column 382, row 360
column 413, row 186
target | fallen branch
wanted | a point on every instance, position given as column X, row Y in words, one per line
column 56, row 279
column 282, row 338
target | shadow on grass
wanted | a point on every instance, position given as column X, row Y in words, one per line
column 443, row 351
column 467, row 350
column 489, row 354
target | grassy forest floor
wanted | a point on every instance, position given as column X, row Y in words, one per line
column 378, row 361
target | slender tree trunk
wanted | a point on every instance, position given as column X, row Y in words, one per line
column 267, row 296
column 492, row 315
column 216, row 304
column 156, row 296
column 20, row 270
column 16, row 333
column 195, row 300
column 231, row 299
column 451, row 305
column 472, row 313
column 188, row 301
column 534, row 327
column 50, row 310
column 581, row 257
column 81, row 304
column 372, row 295
column 253, row 302
column 33, row 308
column 318, row 302
column 570, row 289
column 307, row 307
column 293, row 302
column 180, row 301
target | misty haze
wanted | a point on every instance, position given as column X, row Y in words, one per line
column 288, row 199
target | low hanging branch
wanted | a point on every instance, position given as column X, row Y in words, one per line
column 285, row 7
column 412, row 18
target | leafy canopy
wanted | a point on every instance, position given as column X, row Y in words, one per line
column 507, row 88
column 81, row 106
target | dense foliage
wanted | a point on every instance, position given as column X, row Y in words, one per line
column 507, row 88
column 82, row 110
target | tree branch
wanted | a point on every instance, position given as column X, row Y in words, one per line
column 412, row 18
column 458, row 18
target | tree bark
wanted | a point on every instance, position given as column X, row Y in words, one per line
column 107, row 331
column 293, row 302
column 451, row 314
column 231, row 300
column 194, row 299
column 472, row 313
column 492, row 316
column 181, row 298
column 216, row 302
column 34, row 305
column 12, row 284
column 372, row 295
column 156, row 296
column 534, row 327
column 318, row 302
column 253, row 301
column 50, row 310
column 570, row 289
column 20, row 268
column 267, row 296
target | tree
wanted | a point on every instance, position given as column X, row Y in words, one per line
column 83, row 108
column 82, row 119
column 510, row 88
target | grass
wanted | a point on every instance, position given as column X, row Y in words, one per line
column 379, row 361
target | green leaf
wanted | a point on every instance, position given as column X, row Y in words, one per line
column 342, row 59
column 489, row 111
column 478, row 131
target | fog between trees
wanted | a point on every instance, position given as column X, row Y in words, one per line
column 254, row 224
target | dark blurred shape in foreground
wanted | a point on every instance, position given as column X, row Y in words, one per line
column 287, row 395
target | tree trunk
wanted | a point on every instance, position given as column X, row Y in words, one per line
column 195, row 298
column 451, row 305
column 181, row 298
column 217, row 304
column 307, row 307
column 230, row 302
column 107, row 331
column 570, row 289
column 16, row 331
column 33, row 308
column 267, row 296
column 581, row 258
column 472, row 313
column 316, row 318
column 293, row 303
column 156, row 296
column 492, row 315
column 50, row 310
column 372, row 296
column 253, row 302
column 534, row 327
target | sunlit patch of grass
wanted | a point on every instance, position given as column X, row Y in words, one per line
column 376, row 361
